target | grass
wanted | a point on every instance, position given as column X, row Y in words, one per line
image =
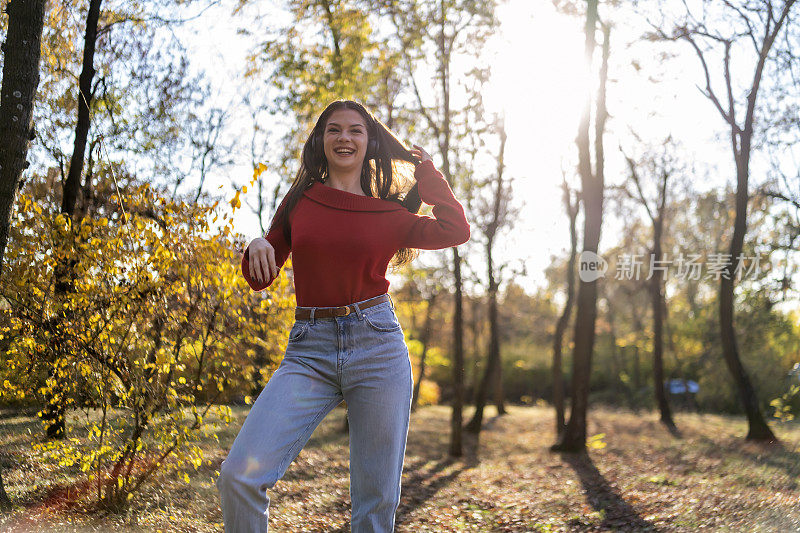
column 643, row 479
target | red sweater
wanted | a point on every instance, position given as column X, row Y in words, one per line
column 342, row 242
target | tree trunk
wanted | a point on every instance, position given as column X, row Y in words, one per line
column 563, row 320
column 21, row 54
column 573, row 438
column 476, row 357
column 54, row 412
column 637, row 372
column 655, row 288
column 494, row 365
column 758, row 428
column 72, row 184
column 616, row 358
column 499, row 390
column 657, row 302
column 5, row 501
column 741, row 138
column 426, row 335
column 456, row 418
column 458, row 362
column 492, row 362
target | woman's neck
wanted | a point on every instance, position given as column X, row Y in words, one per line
column 348, row 181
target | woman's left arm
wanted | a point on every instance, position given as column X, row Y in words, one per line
column 448, row 227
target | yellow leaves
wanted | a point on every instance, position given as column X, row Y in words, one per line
column 595, row 442
column 429, row 393
column 236, row 202
column 134, row 282
column 783, row 404
column 63, row 222
column 260, row 169
column 24, row 202
column 85, row 369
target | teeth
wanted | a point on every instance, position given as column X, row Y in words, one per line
column 344, row 151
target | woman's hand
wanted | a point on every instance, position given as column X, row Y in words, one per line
column 262, row 260
column 420, row 153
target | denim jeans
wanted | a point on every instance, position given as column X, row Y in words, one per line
column 361, row 358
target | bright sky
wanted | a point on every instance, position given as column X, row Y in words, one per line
column 537, row 69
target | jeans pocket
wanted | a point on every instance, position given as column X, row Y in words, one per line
column 299, row 330
column 382, row 319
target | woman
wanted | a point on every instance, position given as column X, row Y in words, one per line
column 343, row 221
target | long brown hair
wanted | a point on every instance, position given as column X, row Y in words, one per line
column 380, row 173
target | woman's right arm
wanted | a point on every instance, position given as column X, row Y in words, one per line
column 448, row 227
column 269, row 253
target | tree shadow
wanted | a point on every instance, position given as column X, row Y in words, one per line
column 328, row 433
column 617, row 513
column 18, row 430
column 673, row 430
column 417, row 488
column 18, row 412
column 490, row 423
column 423, row 483
column 775, row 455
column 425, row 475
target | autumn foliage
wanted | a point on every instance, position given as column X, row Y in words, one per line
column 154, row 327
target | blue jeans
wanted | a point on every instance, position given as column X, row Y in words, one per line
column 361, row 358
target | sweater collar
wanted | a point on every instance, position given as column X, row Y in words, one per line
column 348, row 201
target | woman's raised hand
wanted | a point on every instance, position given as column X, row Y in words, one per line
column 262, row 260
column 420, row 153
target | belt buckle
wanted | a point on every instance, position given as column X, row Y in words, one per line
column 347, row 310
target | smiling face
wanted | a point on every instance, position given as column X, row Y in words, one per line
column 345, row 140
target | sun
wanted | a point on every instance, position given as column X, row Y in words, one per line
column 538, row 75
column 538, row 82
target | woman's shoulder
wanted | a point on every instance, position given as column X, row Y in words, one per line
column 347, row 201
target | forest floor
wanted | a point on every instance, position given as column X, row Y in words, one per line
column 638, row 477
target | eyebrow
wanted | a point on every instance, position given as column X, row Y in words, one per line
column 357, row 124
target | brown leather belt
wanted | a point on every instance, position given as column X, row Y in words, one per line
column 304, row 313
